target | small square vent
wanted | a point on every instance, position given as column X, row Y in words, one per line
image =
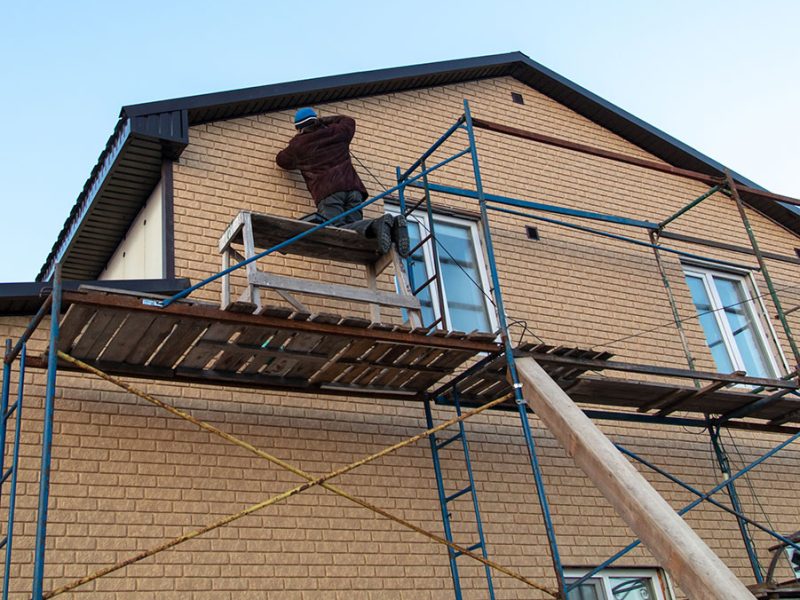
column 517, row 98
column 532, row 232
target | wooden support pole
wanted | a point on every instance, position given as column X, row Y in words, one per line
column 697, row 570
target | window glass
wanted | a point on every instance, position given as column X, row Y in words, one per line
column 711, row 328
column 620, row 584
column 632, row 588
column 460, row 266
column 742, row 325
column 591, row 589
column 459, row 269
column 727, row 314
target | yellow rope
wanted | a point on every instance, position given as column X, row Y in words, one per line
column 310, row 482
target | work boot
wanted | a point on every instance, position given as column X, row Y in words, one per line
column 381, row 229
column 400, row 235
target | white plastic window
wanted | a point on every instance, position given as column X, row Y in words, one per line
column 465, row 289
column 732, row 321
column 621, row 584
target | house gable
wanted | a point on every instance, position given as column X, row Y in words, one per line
column 148, row 133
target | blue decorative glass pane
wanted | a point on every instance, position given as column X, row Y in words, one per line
column 740, row 319
column 461, row 279
column 713, row 334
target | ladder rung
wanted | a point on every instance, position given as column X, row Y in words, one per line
column 471, row 549
column 422, row 242
column 448, row 441
column 430, row 280
column 11, row 409
column 413, row 208
column 7, row 474
column 3, row 541
column 458, row 494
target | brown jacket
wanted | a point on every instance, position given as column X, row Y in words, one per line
column 322, row 155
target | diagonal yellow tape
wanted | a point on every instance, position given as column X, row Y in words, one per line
column 311, row 481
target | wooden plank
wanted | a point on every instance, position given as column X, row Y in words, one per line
column 665, row 371
column 202, row 352
column 347, row 327
column 238, row 353
column 327, row 346
column 367, row 377
column 303, row 342
column 342, row 245
column 232, row 232
column 128, row 337
column 333, row 290
column 707, row 389
column 351, row 375
column 280, row 366
column 499, row 388
column 792, row 415
column 263, row 355
column 97, row 334
column 697, row 570
column 177, row 343
column 72, row 324
column 335, row 368
column 156, row 333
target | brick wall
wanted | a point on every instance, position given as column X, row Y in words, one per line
column 126, row 476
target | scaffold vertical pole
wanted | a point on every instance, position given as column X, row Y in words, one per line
column 673, row 305
column 47, row 438
column 4, row 402
column 522, row 406
column 14, row 468
column 763, row 266
column 725, row 468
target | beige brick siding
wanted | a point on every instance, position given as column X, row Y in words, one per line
column 125, row 475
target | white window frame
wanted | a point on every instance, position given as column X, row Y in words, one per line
column 662, row 586
column 755, row 309
column 427, row 251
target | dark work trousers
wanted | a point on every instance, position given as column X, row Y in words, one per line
column 336, row 204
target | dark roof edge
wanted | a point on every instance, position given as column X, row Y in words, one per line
column 84, row 201
column 510, row 59
column 319, row 84
column 167, row 121
column 27, row 297
column 644, row 125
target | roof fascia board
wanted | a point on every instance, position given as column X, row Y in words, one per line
column 85, row 201
column 513, row 60
column 633, row 119
column 170, row 129
column 318, row 84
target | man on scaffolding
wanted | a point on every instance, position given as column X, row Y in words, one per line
column 321, row 151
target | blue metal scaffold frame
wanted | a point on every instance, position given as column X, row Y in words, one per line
column 416, row 176
column 515, row 206
column 19, row 351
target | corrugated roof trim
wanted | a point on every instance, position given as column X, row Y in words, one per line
column 86, row 197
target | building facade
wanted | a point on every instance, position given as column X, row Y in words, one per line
column 126, row 475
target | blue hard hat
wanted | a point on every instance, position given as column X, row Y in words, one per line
column 304, row 116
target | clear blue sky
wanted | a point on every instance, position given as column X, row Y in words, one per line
column 722, row 76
